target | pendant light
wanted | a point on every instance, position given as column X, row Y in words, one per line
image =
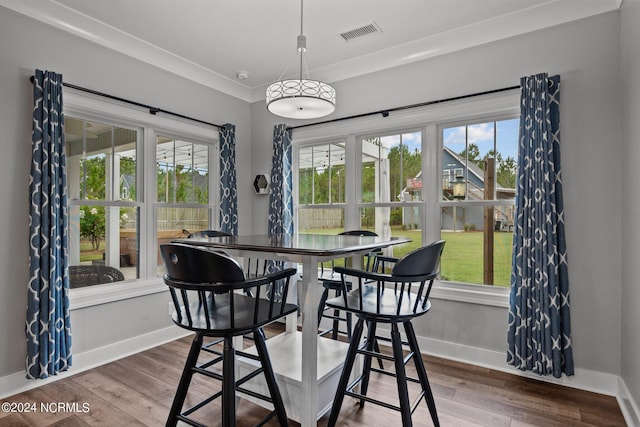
column 301, row 98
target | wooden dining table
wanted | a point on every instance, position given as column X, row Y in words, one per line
column 307, row 367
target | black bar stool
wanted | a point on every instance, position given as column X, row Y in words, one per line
column 203, row 285
column 372, row 302
column 334, row 286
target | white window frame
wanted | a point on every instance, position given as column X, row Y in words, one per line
column 80, row 105
column 429, row 120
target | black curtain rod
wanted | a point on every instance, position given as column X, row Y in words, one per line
column 385, row 113
column 152, row 110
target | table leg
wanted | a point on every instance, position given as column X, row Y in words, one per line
column 291, row 323
column 310, row 297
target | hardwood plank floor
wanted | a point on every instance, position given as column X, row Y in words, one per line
column 138, row 390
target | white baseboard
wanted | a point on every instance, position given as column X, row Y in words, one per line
column 583, row 379
column 18, row 383
column 629, row 407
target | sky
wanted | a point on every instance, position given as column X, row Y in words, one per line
column 480, row 134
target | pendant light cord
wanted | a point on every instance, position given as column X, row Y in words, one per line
column 301, row 49
column 301, row 15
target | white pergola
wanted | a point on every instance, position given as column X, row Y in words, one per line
column 333, row 154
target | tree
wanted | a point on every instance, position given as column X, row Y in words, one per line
column 403, row 165
column 472, row 153
column 92, row 224
column 505, row 168
column 506, row 174
column 93, row 178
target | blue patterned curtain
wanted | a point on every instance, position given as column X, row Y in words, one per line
column 280, row 195
column 228, row 187
column 539, row 336
column 48, row 327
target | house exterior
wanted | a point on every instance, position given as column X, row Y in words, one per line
column 459, row 218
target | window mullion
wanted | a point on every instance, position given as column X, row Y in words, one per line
column 148, row 223
column 431, row 167
column 352, row 183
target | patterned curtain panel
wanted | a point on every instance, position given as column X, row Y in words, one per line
column 280, row 194
column 48, row 327
column 228, row 187
column 539, row 336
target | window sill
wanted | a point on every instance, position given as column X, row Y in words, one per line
column 473, row 294
column 104, row 294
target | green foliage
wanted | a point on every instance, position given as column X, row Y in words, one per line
column 403, row 165
column 314, row 183
column 92, row 224
column 128, row 168
column 180, row 184
column 93, row 178
column 505, row 168
column 506, row 173
column 395, row 217
column 94, row 172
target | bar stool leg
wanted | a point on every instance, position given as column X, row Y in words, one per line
column 346, row 372
column 366, row 368
column 321, row 307
column 185, row 380
column 228, row 384
column 274, row 391
column 422, row 373
column 335, row 325
column 376, row 348
column 401, row 376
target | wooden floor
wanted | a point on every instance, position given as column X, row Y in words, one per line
column 137, row 391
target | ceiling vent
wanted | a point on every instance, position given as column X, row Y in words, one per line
column 360, row 32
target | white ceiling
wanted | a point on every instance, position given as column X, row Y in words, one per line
column 210, row 41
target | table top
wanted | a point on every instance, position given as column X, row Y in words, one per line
column 301, row 244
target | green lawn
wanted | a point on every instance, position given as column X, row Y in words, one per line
column 87, row 253
column 460, row 260
column 461, row 263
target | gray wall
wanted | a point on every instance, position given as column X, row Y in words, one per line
column 630, row 49
column 586, row 55
column 26, row 44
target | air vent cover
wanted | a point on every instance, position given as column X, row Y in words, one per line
column 362, row 31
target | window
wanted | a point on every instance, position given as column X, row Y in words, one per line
column 102, row 172
column 182, row 189
column 391, row 187
column 321, row 188
column 399, row 180
column 134, row 182
column 478, row 224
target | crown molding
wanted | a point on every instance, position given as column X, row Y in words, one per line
column 71, row 21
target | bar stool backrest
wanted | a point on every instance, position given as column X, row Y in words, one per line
column 204, row 287
column 253, row 267
column 188, row 263
column 423, row 261
column 208, row 233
